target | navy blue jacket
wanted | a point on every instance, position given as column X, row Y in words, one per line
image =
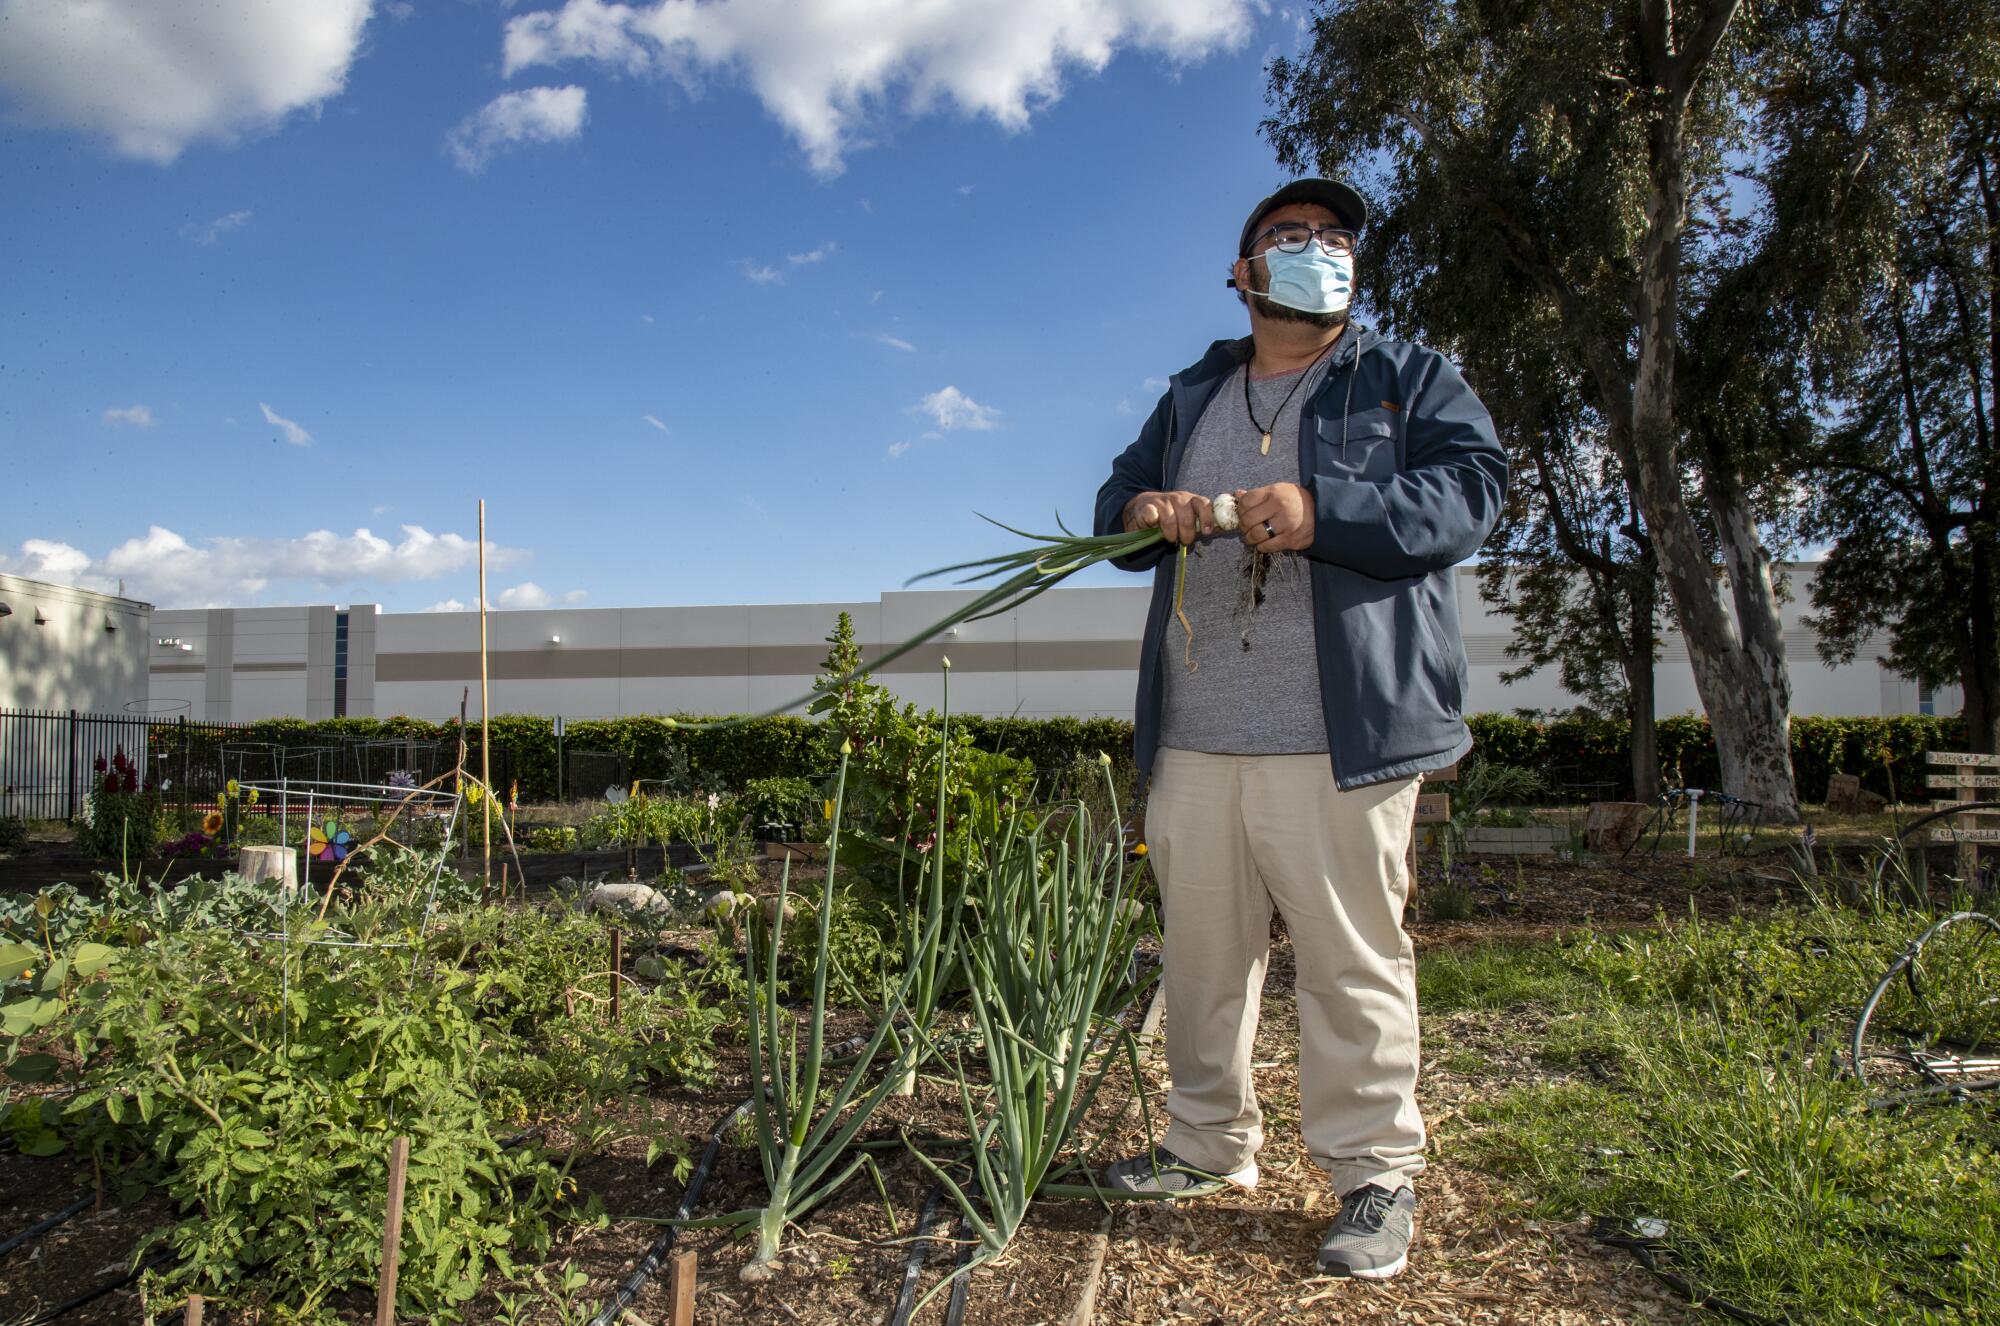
column 1406, row 478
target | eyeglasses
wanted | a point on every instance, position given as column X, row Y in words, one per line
column 1293, row 236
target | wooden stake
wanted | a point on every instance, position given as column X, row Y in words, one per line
column 485, row 745
column 503, row 880
column 392, row 1233
column 617, row 971
column 680, row 1288
column 193, row 1316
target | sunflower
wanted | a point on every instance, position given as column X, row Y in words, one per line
column 211, row 823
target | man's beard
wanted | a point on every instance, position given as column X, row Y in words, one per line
column 1277, row 312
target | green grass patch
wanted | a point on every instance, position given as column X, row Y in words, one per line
column 1710, row 1092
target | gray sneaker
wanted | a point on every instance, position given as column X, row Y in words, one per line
column 1159, row 1171
column 1370, row 1239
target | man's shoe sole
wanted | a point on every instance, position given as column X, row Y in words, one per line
column 1389, row 1272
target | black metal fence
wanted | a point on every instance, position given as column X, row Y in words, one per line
column 49, row 758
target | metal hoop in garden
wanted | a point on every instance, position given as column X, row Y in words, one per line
column 1961, row 1067
column 436, row 805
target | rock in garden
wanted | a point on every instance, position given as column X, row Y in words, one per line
column 771, row 910
column 722, row 904
column 625, row 896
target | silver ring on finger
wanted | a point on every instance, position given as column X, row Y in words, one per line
column 1269, row 533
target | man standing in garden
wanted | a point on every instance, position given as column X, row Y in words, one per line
column 1289, row 701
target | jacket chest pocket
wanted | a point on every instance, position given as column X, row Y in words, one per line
column 1366, row 445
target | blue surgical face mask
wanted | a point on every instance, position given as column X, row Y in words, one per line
column 1312, row 281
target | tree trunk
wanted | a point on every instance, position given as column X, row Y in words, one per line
column 1738, row 673
column 1979, row 673
column 1641, row 686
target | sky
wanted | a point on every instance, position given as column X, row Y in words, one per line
column 744, row 301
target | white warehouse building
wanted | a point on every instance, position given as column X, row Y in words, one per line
column 1069, row 652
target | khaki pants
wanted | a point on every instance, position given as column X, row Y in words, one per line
column 1229, row 836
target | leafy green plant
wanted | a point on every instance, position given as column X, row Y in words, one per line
column 783, row 802
column 554, row 838
column 13, row 834
column 122, row 818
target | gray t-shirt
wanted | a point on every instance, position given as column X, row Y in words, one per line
column 1254, row 688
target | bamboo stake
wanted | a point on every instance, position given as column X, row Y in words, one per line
column 194, row 1309
column 617, row 971
column 485, row 744
column 392, row 1233
column 680, row 1288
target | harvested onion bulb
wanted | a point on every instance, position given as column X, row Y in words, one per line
column 1225, row 512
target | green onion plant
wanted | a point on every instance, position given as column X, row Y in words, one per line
column 1049, row 972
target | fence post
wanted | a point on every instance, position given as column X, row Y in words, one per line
column 70, row 776
column 181, row 730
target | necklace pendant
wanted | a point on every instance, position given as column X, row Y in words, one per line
column 1265, row 449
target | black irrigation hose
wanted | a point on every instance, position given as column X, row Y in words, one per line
column 913, row 1265
column 35, row 1231
column 92, row 1295
column 650, row 1264
column 1612, row 1234
column 961, row 1283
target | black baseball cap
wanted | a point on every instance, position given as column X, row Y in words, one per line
column 1334, row 196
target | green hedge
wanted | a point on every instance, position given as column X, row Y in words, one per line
column 1888, row 753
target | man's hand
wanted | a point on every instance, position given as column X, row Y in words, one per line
column 1182, row 517
column 1276, row 518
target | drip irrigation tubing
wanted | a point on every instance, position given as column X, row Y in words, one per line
column 41, row 1227
column 68, row 1306
column 1612, row 1234
column 656, row 1256
column 913, row 1265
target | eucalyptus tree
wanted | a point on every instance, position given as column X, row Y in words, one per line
column 1568, row 161
column 1883, row 125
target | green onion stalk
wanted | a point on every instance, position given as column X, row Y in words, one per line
column 1047, row 561
column 1049, row 972
column 799, row 1143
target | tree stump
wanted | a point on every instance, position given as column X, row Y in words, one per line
column 1614, row 826
column 277, row 865
column 1845, row 794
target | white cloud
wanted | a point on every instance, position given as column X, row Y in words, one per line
column 874, row 296
column 294, row 434
column 646, row 318
column 575, row 595
column 153, row 78
column 1155, row 384
column 132, row 416
column 656, row 423
column 894, row 342
column 163, row 567
column 825, row 70
column 207, row 232
column 952, row 409
column 762, row 275
column 447, row 605
column 819, row 254
column 1125, row 407
column 898, row 448
column 526, row 595
column 965, row 190
column 533, row 115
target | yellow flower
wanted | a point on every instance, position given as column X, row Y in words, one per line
column 1139, row 849
column 231, row 788
column 829, row 810
column 211, row 823
column 473, row 792
column 252, row 798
